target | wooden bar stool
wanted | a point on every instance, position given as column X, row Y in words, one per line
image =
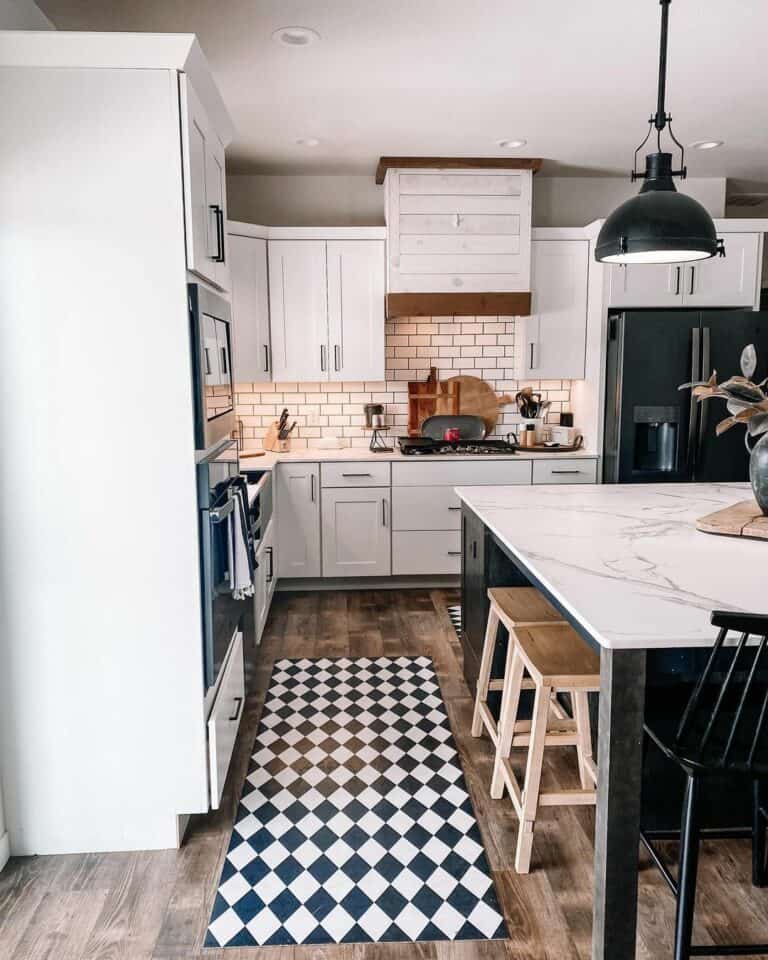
column 557, row 660
column 514, row 607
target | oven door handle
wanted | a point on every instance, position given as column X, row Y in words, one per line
column 221, row 513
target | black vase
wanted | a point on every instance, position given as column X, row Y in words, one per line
column 758, row 472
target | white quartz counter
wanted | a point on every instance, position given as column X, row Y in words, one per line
column 626, row 560
column 314, row 454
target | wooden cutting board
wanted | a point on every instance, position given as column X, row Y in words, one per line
column 478, row 398
column 741, row 520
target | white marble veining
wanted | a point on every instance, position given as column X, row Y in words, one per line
column 626, row 560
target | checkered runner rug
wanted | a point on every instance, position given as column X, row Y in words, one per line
column 355, row 824
column 454, row 612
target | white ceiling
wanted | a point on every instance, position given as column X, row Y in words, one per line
column 577, row 80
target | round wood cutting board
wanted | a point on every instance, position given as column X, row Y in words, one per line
column 478, row 398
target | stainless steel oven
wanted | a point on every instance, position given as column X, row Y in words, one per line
column 222, row 614
column 212, row 377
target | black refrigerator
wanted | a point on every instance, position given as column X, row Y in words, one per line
column 653, row 431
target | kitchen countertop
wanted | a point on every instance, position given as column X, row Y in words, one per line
column 626, row 561
column 313, row 454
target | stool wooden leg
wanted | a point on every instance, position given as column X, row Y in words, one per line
column 510, row 701
column 484, row 676
column 532, row 779
column 584, row 734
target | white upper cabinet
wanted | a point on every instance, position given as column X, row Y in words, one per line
column 298, row 309
column 555, row 332
column 204, row 191
column 356, row 309
column 729, row 281
column 326, row 308
column 453, row 231
column 250, row 308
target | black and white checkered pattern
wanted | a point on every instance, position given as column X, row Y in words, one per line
column 454, row 612
column 355, row 824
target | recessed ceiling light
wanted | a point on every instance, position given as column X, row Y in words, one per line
column 511, row 144
column 707, row 144
column 307, row 142
column 295, row 36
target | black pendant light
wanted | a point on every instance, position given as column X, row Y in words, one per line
column 659, row 225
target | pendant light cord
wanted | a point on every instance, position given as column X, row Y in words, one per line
column 660, row 120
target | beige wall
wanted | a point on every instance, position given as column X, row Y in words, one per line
column 23, row 15
column 326, row 201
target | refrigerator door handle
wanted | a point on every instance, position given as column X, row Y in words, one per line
column 695, row 375
column 706, row 372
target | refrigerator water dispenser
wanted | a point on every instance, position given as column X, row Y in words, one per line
column 656, row 439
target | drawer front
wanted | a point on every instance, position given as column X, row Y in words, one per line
column 432, row 551
column 565, row 471
column 357, row 473
column 465, row 474
column 425, row 508
column 224, row 719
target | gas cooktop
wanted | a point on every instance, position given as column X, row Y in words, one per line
column 423, row 446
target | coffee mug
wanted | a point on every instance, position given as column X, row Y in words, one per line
column 452, row 435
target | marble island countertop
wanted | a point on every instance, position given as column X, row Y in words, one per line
column 626, row 561
column 314, row 454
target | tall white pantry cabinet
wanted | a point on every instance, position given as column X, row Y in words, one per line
column 102, row 718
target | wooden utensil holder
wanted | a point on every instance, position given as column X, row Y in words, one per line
column 272, row 441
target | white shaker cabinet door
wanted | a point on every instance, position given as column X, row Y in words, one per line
column 298, row 519
column 298, row 310
column 556, row 330
column 204, row 190
column 356, row 309
column 646, row 285
column 729, row 281
column 250, row 308
column 356, row 532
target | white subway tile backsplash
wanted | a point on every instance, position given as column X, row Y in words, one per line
column 475, row 346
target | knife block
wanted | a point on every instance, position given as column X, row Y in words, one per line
column 273, row 443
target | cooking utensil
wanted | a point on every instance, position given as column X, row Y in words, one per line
column 469, row 427
column 529, row 404
column 476, row 397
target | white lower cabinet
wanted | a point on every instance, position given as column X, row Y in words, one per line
column 426, row 551
column 224, row 719
column 425, row 508
column 298, row 520
column 565, row 471
column 356, row 532
column 264, row 586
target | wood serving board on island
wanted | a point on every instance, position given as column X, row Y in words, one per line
column 743, row 519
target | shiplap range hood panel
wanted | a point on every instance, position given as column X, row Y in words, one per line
column 458, row 239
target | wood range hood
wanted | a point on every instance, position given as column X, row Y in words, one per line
column 458, row 235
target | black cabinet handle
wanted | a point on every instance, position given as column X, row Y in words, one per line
column 224, row 360
column 474, row 549
column 357, row 474
column 266, row 358
column 454, row 553
column 693, row 276
column 219, row 215
column 454, row 508
column 238, row 710
column 566, row 471
column 677, row 281
column 271, row 573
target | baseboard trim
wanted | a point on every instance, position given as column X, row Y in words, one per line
column 5, row 849
column 446, row 581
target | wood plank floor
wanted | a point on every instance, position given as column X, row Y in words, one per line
column 156, row 905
